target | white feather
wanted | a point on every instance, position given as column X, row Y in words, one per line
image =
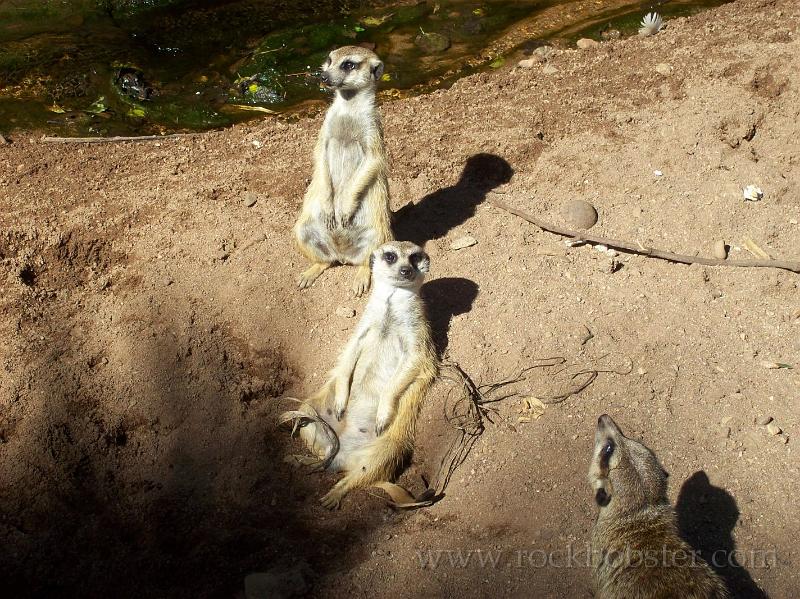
column 651, row 24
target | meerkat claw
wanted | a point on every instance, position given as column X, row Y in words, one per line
column 331, row 501
column 361, row 281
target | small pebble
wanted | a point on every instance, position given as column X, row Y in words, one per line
column 549, row 69
column 773, row 429
column 249, row 199
column 764, row 420
column 527, row 63
column 345, row 312
column 580, row 214
column 658, row 173
column 663, row 68
column 167, row 281
column 720, row 251
column 585, row 43
column 463, row 242
column 222, row 255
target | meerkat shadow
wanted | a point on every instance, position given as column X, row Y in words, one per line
column 445, row 298
column 707, row 516
column 441, row 211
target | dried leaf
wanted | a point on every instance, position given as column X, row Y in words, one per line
column 774, row 365
column 754, row 249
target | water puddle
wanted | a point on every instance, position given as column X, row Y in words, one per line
column 113, row 67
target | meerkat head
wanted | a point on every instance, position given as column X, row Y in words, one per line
column 351, row 68
column 624, row 474
column 399, row 264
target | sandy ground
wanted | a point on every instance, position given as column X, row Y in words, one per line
column 150, row 322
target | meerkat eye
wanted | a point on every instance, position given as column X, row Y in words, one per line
column 608, row 449
column 390, row 257
column 348, row 65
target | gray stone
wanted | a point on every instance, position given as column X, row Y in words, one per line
column 720, row 251
column 345, row 312
column 764, row 420
column 432, row 43
column 249, row 199
column 663, row 68
column 580, row 214
column 585, row 43
column 463, row 242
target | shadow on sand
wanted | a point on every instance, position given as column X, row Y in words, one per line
column 439, row 212
column 707, row 516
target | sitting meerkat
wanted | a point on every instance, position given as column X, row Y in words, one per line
column 346, row 213
column 637, row 552
column 362, row 421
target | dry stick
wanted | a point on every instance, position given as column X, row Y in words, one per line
column 645, row 251
column 102, row 140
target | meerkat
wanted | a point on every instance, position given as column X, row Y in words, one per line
column 637, row 552
column 362, row 421
column 346, row 213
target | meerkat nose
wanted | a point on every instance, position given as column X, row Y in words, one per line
column 324, row 77
column 405, row 271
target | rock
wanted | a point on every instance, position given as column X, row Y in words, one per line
column 528, row 63
column 549, row 69
column 463, row 242
column 345, row 312
column 773, row 429
column 249, row 199
column 585, row 43
column 663, row 68
column 432, row 43
column 611, row 34
column 543, row 53
column 764, row 420
column 222, row 255
column 167, row 281
column 720, row 251
column 580, row 214
column 279, row 582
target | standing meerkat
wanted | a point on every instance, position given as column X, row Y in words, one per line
column 346, row 213
column 637, row 552
column 362, row 421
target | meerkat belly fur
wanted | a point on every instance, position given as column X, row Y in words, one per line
column 374, row 393
column 637, row 552
column 346, row 213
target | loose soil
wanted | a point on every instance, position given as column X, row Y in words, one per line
column 150, row 324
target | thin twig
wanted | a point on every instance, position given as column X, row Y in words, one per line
column 101, row 140
column 645, row 251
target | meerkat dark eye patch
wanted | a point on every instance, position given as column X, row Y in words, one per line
column 348, row 65
column 420, row 261
column 390, row 257
column 606, row 453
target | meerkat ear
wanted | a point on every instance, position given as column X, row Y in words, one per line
column 377, row 69
column 421, row 261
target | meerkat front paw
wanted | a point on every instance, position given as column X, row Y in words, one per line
column 307, row 279
column 361, row 281
column 333, row 499
column 382, row 421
